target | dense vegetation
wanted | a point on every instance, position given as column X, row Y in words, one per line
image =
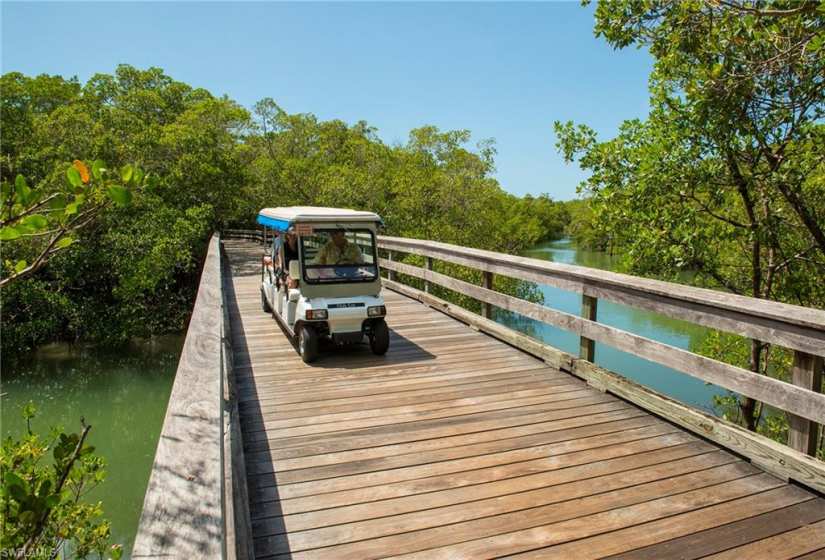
column 45, row 481
column 133, row 269
column 722, row 183
column 726, row 177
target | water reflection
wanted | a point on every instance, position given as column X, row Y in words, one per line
column 121, row 392
column 651, row 325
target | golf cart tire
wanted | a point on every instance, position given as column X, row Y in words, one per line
column 308, row 344
column 380, row 338
column 264, row 304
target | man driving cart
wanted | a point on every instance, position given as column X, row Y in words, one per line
column 326, row 283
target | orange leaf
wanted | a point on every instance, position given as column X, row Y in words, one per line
column 84, row 171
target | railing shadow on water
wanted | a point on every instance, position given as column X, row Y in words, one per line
column 251, row 409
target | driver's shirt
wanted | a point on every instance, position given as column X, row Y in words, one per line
column 331, row 254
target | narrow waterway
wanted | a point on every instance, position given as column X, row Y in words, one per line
column 651, row 325
column 121, row 393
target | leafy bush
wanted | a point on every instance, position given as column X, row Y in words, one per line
column 44, row 483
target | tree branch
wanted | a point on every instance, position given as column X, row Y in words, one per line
column 28, row 211
column 25, row 551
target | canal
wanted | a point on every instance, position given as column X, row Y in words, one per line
column 651, row 325
column 122, row 393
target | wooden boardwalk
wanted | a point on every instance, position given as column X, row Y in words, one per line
column 456, row 445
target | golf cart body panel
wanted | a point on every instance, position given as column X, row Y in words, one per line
column 338, row 295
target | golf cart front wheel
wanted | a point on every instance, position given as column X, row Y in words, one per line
column 380, row 338
column 308, row 344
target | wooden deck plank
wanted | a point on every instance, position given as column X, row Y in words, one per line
column 694, row 517
column 499, row 535
column 377, row 485
column 718, row 539
column 501, row 494
column 451, row 447
column 786, row 545
column 456, row 445
column 514, row 406
column 322, row 479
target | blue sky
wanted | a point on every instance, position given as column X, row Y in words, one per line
column 501, row 70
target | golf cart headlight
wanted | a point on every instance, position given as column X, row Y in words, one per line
column 376, row 311
column 316, row 314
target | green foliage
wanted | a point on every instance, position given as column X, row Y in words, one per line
column 431, row 187
column 724, row 180
column 205, row 163
column 44, row 481
column 583, row 226
column 43, row 223
column 173, row 173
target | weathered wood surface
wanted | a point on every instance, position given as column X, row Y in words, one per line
column 587, row 346
column 182, row 513
column 785, row 396
column 774, row 457
column 457, row 445
column 806, row 373
column 791, row 326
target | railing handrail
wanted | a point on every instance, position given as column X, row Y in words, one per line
column 800, row 328
column 185, row 512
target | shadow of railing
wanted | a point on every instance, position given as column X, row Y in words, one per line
column 261, row 476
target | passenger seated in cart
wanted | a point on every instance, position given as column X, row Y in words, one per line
column 286, row 247
column 338, row 250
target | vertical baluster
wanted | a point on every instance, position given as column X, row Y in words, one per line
column 487, row 282
column 390, row 273
column 806, row 373
column 430, row 268
column 587, row 347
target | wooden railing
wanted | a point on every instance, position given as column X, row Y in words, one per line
column 798, row 328
column 251, row 234
column 195, row 504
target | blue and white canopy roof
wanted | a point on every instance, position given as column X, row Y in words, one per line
column 282, row 217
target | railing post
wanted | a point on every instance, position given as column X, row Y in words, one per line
column 806, row 373
column 587, row 347
column 487, row 282
column 390, row 273
column 430, row 268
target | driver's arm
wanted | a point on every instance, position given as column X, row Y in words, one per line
column 355, row 254
column 323, row 255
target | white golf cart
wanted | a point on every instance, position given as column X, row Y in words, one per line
column 319, row 277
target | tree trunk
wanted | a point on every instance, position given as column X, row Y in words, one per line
column 746, row 404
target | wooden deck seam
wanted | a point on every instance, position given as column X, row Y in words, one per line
column 497, row 465
column 625, row 408
column 392, row 419
column 729, row 460
column 610, row 509
column 606, row 423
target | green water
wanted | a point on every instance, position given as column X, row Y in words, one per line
column 123, row 395
column 651, row 325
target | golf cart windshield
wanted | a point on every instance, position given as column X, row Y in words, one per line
column 338, row 255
